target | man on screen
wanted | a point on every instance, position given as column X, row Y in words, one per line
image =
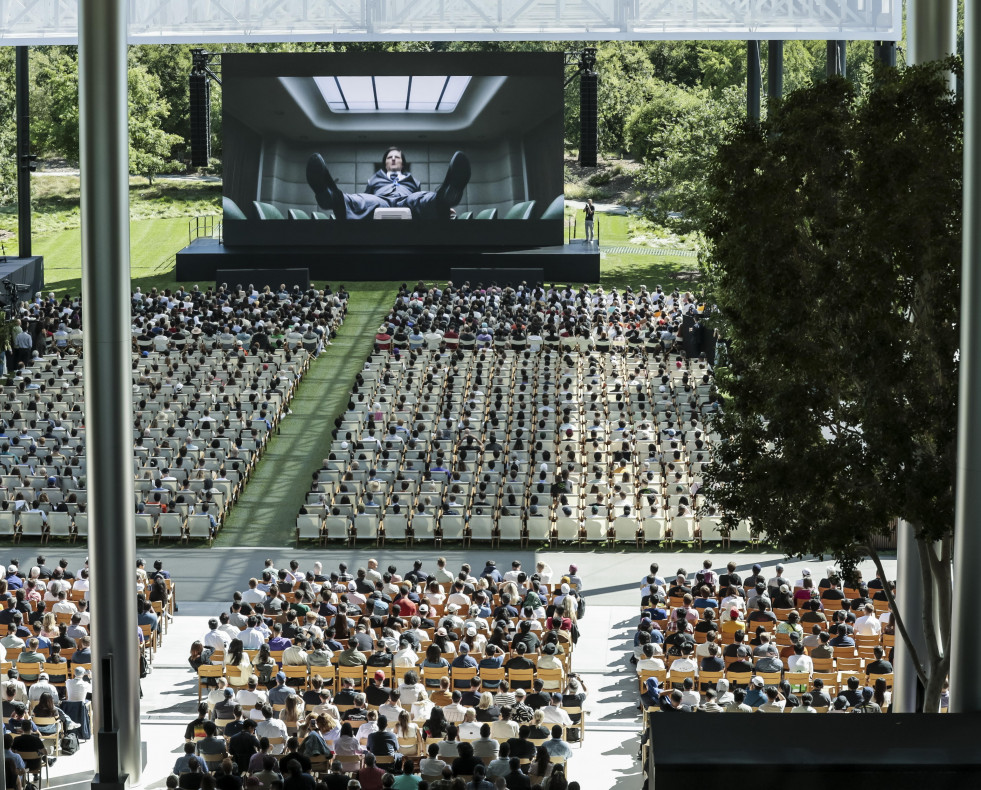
column 392, row 186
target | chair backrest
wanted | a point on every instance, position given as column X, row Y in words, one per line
column 267, row 210
column 555, row 209
column 296, row 213
column 521, row 210
column 231, row 209
column 487, row 213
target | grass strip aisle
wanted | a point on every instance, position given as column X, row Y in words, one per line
column 265, row 515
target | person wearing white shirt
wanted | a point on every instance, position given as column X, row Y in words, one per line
column 649, row 662
column 442, row 575
column 373, row 574
column 64, row 606
column 253, row 595
column 800, row 661
column 512, row 575
column 553, row 714
column 405, row 656
column 252, row 638
column 469, row 727
column 455, row 712
column 390, row 710
column 272, row 728
column 868, row 625
column 78, row 688
column 215, row 639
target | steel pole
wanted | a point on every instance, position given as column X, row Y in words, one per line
column 753, row 81
column 885, row 52
column 774, row 71
column 932, row 34
column 104, row 164
column 966, row 641
column 931, row 30
column 22, row 77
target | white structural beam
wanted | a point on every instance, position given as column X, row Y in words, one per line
column 215, row 21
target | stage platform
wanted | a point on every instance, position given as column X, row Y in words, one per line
column 201, row 260
column 22, row 271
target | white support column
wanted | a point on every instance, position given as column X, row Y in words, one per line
column 104, row 153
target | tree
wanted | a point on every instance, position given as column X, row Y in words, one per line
column 835, row 233
column 676, row 134
column 8, row 127
column 149, row 144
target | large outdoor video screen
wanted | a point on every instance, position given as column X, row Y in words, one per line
column 414, row 149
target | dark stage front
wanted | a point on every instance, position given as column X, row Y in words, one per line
column 895, row 751
column 22, row 272
column 574, row 263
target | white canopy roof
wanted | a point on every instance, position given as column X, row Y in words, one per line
column 211, row 21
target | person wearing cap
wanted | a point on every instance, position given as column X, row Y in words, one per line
column 41, row 686
column 377, row 693
column 78, row 688
column 224, row 709
column 755, row 695
column 463, row 661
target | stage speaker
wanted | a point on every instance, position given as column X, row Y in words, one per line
column 588, row 111
column 200, row 102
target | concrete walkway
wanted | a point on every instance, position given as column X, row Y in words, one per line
column 206, row 580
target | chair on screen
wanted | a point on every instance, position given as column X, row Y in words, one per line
column 488, row 213
column 521, row 210
column 267, row 210
column 556, row 209
column 231, row 209
column 296, row 213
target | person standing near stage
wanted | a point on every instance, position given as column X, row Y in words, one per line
column 590, row 210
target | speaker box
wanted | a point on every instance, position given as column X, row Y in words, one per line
column 200, row 104
column 588, row 129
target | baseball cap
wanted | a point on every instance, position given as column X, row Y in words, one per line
column 379, row 675
column 758, row 681
column 471, row 630
column 280, row 676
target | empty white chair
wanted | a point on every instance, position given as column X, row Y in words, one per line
column 596, row 529
column 423, row 527
column 199, row 526
column 308, row 527
column 32, row 525
column 452, row 527
column 396, row 526
column 336, row 528
column 481, row 527
column 742, row 533
column 169, row 525
column 625, row 528
column 539, row 528
column 81, row 525
column 8, row 522
column 59, row 525
column 365, row 527
column 509, row 528
column 143, row 522
column 567, row 528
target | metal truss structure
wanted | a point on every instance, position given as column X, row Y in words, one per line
column 39, row 22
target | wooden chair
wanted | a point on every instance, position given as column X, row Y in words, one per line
column 491, row 675
column 41, row 759
column 460, row 677
column 300, row 673
column 739, row 678
column 521, row 678
column 660, row 674
column 206, row 672
column 355, row 673
column 708, row 680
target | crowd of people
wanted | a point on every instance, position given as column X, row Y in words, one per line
column 718, row 642
column 47, row 659
column 454, row 441
column 429, row 678
column 213, row 373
